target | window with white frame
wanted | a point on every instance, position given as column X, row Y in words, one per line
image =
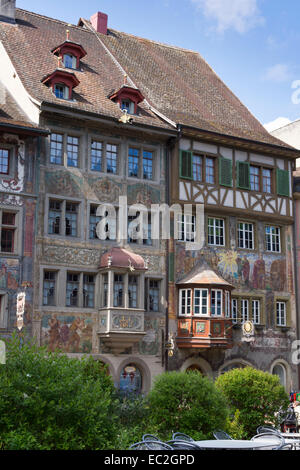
column 234, row 310
column 245, row 309
column 227, row 304
column 246, row 235
column 197, row 167
column 256, row 311
column 272, row 238
column 216, row 299
column 56, row 149
column 216, row 231
column 185, row 298
column 281, row 313
column 72, row 151
column 200, row 301
column 186, row 227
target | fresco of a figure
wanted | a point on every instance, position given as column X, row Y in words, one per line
column 259, row 274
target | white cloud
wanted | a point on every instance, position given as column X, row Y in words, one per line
column 276, row 124
column 240, row 15
column 277, row 73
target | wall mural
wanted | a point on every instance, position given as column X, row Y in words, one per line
column 68, row 333
column 250, row 271
column 9, row 273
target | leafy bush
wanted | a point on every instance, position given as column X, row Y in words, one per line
column 187, row 402
column 257, row 395
column 48, row 401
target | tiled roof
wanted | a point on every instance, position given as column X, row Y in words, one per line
column 178, row 83
column 29, row 45
column 204, row 276
column 121, row 258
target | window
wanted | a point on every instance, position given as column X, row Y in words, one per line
column 8, row 231
column 140, row 169
column 227, row 304
column 4, row 161
column 61, row 91
column 133, row 291
column 70, row 61
column 272, row 238
column 267, row 180
column 185, row 301
column 49, row 288
column 210, row 170
column 105, row 290
column 111, row 158
column 72, row 151
column 154, row 294
column 216, row 302
column 133, row 162
column 72, row 290
column 245, row 309
column 71, row 219
column 56, row 149
column 118, row 290
column 197, row 167
column 216, row 235
column 63, row 218
column 127, row 105
column 96, row 156
column 147, row 165
column 234, row 313
column 186, row 227
column 281, row 313
column 246, row 235
column 88, row 290
column 94, row 219
column 256, row 312
column 254, row 178
column 200, row 302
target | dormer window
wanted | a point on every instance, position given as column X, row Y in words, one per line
column 128, row 98
column 61, row 91
column 62, row 83
column 128, row 105
column 70, row 61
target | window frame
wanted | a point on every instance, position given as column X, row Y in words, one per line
column 64, row 202
column 15, row 228
column 214, row 229
column 244, row 222
column 141, row 152
column 109, row 147
column 66, row 134
column 188, row 303
column 277, row 236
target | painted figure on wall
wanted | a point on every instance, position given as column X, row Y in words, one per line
column 259, row 274
column 278, row 275
column 75, row 335
column 54, row 333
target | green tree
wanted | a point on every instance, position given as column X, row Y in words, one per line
column 257, row 395
column 48, row 401
column 187, row 402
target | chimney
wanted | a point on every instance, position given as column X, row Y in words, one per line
column 99, row 22
column 8, row 11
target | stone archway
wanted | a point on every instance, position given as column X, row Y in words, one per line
column 197, row 363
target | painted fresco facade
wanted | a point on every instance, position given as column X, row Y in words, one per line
column 262, row 276
column 76, row 329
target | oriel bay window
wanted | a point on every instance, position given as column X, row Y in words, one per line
column 208, row 301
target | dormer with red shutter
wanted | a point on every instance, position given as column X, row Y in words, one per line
column 62, row 83
column 70, row 52
column 128, row 98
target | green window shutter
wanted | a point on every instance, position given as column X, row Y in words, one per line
column 186, row 164
column 283, row 182
column 225, row 172
column 243, row 175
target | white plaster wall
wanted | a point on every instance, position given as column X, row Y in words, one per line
column 11, row 81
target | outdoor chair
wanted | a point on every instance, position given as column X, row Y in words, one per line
column 150, row 445
column 274, row 440
column 182, row 437
column 183, row 445
column 221, row 435
column 150, row 437
column 267, row 429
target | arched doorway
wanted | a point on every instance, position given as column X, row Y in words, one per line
column 195, row 367
column 130, row 380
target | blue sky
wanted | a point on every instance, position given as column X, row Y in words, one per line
column 253, row 45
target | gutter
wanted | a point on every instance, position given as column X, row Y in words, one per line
column 24, row 129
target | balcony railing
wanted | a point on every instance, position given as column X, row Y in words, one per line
column 204, row 333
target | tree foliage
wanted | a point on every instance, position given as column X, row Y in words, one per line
column 187, row 402
column 257, row 395
column 48, row 401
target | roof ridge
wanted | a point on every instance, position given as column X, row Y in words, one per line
column 55, row 20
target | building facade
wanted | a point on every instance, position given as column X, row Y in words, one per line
column 135, row 122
